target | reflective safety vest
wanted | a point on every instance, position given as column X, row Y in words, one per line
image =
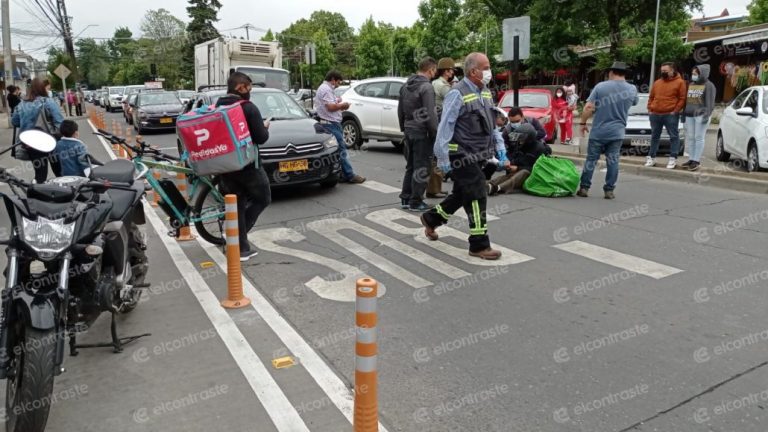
column 473, row 134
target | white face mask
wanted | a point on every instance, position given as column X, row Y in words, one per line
column 50, row 93
column 695, row 77
column 487, row 76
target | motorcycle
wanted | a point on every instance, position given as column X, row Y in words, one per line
column 74, row 251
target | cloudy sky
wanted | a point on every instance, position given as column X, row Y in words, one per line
column 109, row 14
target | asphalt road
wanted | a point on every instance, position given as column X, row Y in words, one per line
column 643, row 313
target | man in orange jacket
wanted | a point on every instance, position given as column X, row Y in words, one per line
column 665, row 103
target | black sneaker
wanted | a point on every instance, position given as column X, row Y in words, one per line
column 246, row 255
column 493, row 189
column 404, row 204
column 694, row 166
column 687, row 164
column 421, row 207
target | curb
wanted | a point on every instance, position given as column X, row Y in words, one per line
column 704, row 177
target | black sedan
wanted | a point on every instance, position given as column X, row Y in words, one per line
column 155, row 110
column 299, row 149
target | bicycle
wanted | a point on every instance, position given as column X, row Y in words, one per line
column 207, row 209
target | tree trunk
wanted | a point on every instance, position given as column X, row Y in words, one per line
column 614, row 28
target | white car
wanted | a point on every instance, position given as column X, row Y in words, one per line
column 743, row 132
column 372, row 114
column 113, row 98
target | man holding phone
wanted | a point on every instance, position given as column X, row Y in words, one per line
column 329, row 109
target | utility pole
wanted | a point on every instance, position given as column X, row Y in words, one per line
column 7, row 52
column 653, row 54
column 68, row 42
column 247, row 32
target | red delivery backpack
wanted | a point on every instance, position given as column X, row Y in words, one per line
column 216, row 140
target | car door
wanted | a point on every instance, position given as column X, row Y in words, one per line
column 729, row 124
column 390, row 124
column 744, row 125
column 369, row 104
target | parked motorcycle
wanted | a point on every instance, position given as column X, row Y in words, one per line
column 74, row 251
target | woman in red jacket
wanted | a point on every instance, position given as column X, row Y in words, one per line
column 564, row 116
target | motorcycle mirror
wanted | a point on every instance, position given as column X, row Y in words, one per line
column 38, row 140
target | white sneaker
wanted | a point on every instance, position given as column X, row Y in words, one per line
column 649, row 161
column 672, row 163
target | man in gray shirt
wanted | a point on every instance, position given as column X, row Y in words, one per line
column 609, row 102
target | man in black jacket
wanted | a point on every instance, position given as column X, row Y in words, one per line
column 523, row 149
column 517, row 118
column 418, row 119
column 250, row 184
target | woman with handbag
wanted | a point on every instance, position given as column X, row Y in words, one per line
column 38, row 111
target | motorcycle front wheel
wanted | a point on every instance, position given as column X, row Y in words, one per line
column 30, row 381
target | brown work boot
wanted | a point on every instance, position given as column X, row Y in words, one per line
column 487, row 254
column 428, row 230
column 609, row 195
column 356, row 179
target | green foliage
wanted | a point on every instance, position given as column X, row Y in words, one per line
column 93, row 62
column 203, row 13
column 325, row 57
column 669, row 47
column 162, row 44
column 57, row 56
column 758, row 11
column 443, row 34
column 302, row 31
column 269, row 36
column 374, row 53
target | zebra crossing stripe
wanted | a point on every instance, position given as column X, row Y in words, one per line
column 617, row 259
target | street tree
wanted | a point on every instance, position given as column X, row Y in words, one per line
column 442, row 35
column 268, row 37
column 325, row 59
column 373, row 51
column 162, row 43
column 94, row 61
column 203, row 14
column 758, row 11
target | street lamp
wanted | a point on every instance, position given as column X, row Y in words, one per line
column 653, row 53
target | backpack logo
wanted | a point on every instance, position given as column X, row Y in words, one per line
column 202, row 136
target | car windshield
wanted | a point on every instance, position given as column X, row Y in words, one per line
column 279, row 106
column 116, row 90
column 527, row 100
column 160, row 99
column 270, row 78
column 641, row 109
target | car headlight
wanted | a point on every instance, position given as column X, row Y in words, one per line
column 545, row 119
column 142, row 114
column 47, row 237
column 331, row 143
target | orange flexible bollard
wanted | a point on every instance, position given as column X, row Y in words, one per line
column 366, row 415
column 181, row 184
column 235, row 297
column 155, row 196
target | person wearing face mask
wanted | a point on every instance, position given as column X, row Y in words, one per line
column 250, row 184
column 446, row 70
column 329, row 108
column 564, row 116
column 418, row 120
column 698, row 109
column 517, row 118
column 466, row 139
column 665, row 104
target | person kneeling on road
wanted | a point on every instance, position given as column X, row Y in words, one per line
column 251, row 184
column 523, row 149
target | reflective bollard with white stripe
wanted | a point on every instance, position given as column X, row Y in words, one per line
column 366, row 418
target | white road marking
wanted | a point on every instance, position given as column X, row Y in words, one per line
column 379, row 187
column 342, row 276
column 332, row 385
column 618, row 259
column 388, row 218
column 278, row 407
column 330, row 229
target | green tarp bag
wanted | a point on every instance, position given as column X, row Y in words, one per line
column 552, row 177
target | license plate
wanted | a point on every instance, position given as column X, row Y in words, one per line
column 166, row 120
column 295, row 165
column 641, row 142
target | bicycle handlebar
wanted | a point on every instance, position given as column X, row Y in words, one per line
column 141, row 150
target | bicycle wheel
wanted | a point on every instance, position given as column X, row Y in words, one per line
column 208, row 212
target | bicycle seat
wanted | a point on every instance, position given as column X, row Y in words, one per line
column 117, row 171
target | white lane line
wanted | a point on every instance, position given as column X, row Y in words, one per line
column 379, row 187
column 278, row 407
column 618, row 259
column 331, row 384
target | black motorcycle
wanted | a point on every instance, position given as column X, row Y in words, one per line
column 74, row 251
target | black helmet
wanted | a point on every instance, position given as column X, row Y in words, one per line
column 524, row 133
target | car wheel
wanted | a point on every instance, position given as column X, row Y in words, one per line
column 753, row 159
column 330, row 181
column 399, row 145
column 352, row 134
column 720, row 153
column 554, row 136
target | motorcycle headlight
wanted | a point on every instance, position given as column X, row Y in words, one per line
column 331, row 143
column 47, row 237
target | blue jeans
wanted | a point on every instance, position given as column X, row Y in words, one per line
column 695, row 133
column 672, row 123
column 611, row 150
column 346, row 167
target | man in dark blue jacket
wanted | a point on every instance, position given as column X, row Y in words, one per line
column 250, row 184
